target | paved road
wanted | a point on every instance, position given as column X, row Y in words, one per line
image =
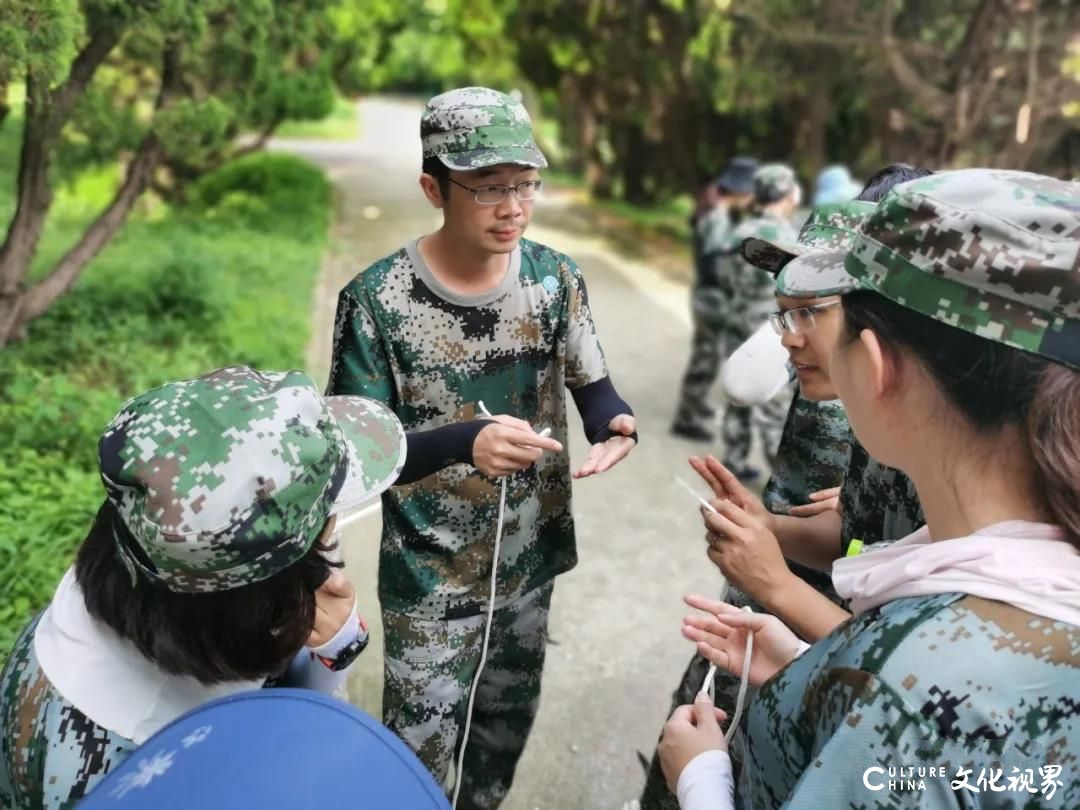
column 616, row 653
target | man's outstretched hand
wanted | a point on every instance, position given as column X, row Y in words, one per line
column 605, row 455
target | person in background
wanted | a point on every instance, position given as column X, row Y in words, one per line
column 721, row 206
column 776, row 195
column 834, row 184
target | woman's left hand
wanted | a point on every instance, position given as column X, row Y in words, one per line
column 744, row 549
column 334, row 603
column 692, row 730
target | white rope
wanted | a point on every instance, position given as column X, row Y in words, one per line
column 708, row 685
column 459, row 770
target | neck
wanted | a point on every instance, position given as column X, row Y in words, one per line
column 973, row 482
column 776, row 209
column 458, row 263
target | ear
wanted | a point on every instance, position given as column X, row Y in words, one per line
column 430, row 186
column 883, row 372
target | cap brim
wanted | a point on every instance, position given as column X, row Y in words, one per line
column 375, row 442
column 770, row 256
column 494, row 156
column 815, row 275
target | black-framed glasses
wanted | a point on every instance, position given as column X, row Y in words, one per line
column 493, row 195
column 797, row 321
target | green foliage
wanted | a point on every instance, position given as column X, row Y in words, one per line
column 174, row 295
column 342, row 124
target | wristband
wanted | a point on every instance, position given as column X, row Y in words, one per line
column 854, row 548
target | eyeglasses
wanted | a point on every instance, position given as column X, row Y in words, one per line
column 493, row 195
column 797, row 321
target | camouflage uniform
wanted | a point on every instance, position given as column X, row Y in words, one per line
column 815, row 453
column 51, row 754
column 709, row 344
column 433, row 355
column 750, row 302
column 221, row 482
column 994, row 253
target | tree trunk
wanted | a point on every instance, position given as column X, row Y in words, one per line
column 34, row 199
column 633, row 162
column 18, row 308
column 46, row 113
column 36, row 300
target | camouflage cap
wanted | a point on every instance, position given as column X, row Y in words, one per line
column 474, row 127
column 773, row 181
column 993, row 252
column 809, row 267
column 228, row 478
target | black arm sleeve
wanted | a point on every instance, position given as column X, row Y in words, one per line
column 431, row 450
column 599, row 403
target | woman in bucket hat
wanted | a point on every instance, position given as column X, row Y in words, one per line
column 206, row 572
column 955, row 682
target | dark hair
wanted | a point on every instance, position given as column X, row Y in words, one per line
column 241, row 634
column 884, row 179
column 439, row 170
column 992, row 385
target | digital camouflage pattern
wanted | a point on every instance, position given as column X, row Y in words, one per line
column 432, row 356
column 813, row 455
column 829, row 227
column 228, row 478
column 475, row 127
column 995, row 253
column 430, row 666
column 710, row 343
column 51, row 754
column 811, row 267
column 878, row 503
column 948, row 681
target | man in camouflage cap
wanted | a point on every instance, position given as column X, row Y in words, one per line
column 468, row 318
column 202, row 576
column 746, row 300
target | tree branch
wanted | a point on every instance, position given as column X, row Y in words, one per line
column 929, row 97
column 138, row 176
column 62, row 99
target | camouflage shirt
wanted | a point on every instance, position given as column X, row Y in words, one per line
column 947, row 681
column 433, row 355
column 879, row 504
column 51, row 754
column 813, row 455
column 711, row 230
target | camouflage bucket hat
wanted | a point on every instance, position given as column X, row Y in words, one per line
column 228, row 478
column 995, row 253
column 475, row 127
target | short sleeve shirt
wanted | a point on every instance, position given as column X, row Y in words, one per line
column 433, row 356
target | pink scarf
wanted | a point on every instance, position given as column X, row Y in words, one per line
column 1028, row 565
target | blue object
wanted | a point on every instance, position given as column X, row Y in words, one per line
column 271, row 748
column 834, row 184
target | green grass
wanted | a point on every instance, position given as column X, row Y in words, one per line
column 177, row 293
column 341, row 125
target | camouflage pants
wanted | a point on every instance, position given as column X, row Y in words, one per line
column 767, row 420
column 429, row 668
column 711, row 344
